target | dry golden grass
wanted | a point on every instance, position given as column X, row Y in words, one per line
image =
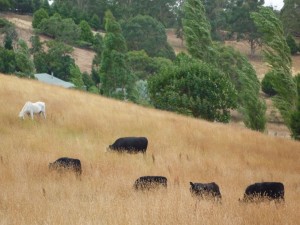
column 82, row 125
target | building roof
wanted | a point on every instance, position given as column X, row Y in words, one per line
column 49, row 79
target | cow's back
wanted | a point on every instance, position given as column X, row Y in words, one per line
column 66, row 163
column 130, row 144
column 150, row 182
column 271, row 190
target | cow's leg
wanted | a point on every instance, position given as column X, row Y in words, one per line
column 31, row 114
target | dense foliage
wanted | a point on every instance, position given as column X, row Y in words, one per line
column 235, row 66
column 116, row 79
column 146, row 33
column 242, row 24
column 290, row 15
column 277, row 54
column 194, row 88
column 267, row 85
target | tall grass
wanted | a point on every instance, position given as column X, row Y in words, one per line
column 183, row 149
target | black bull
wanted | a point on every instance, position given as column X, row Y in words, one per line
column 130, row 145
column 264, row 190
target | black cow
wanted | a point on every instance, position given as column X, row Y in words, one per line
column 206, row 190
column 130, row 144
column 150, row 183
column 66, row 164
column 264, row 190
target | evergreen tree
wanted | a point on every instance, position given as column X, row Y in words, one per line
column 95, row 22
column 76, row 76
column 38, row 16
column 86, row 33
column 116, row 80
column 24, row 64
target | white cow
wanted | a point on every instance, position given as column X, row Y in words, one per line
column 31, row 108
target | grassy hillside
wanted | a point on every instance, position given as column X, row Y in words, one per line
column 82, row 125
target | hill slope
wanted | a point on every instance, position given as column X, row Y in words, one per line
column 81, row 125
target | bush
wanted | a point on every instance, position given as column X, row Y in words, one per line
column 193, row 88
column 268, row 84
column 38, row 16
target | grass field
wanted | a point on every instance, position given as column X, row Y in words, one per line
column 82, row 125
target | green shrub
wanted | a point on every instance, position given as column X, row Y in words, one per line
column 267, row 84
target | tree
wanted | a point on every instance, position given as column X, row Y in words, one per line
column 235, row 66
column 292, row 44
column 277, row 55
column 8, row 29
column 146, row 33
column 57, row 60
column 215, row 13
column 143, row 66
column 4, row 4
column 162, row 11
column 36, row 45
column 24, row 64
column 86, row 33
column 194, row 88
column 95, row 22
column 197, row 31
column 23, row 6
column 7, row 61
column 290, row 15
column 295, row 117
column 38, row 16
column 241, row 23
column 116, row 80
column 76, row 76
column 64, row 30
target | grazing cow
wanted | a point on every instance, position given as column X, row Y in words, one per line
column 130, row 145
column 31, row 108
column 66, row 164
column 265, row 190
column 150, row 183
column 205, row 190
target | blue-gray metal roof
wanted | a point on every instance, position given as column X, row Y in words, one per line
column 49, row 79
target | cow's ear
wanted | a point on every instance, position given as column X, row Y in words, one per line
column 191, row 183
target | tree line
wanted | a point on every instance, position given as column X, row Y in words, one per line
column 134, row 61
